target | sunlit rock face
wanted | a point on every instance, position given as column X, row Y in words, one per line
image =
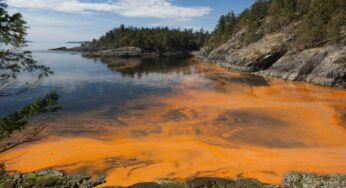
column 211, row 122
column 277, row 55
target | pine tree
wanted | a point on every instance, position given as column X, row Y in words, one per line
column 303, row 7
column 320, row 21
column 275, row 11
column 13, row 62
column 334, row 27
column 231, row 23
column 221, row 25
column 158, row 39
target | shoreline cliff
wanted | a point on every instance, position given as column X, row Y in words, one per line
column 274, row 56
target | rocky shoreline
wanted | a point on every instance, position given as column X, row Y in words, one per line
column 124, row 52
column 47, row 178
column 58, row 179
column 271, row 56
column 276, row 55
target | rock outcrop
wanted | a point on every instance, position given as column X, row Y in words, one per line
column 47, row 178
column 310, row 180
column 204, row 182
column 273, row 55
column 324, row 66
column 290, row 180
column 118, row 52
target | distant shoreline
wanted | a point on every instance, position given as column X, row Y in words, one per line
column 121, row 52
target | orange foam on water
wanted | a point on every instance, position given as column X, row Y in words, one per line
column 206, row 126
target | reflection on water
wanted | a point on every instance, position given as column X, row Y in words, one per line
column 144, row 120
column 86, row 84
column 146, row 66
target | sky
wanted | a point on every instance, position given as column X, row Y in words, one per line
column 52, row 23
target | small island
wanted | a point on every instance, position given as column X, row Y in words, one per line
column 293, row 41
column 143, row 42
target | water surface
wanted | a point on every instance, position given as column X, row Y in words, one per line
column 137, row 120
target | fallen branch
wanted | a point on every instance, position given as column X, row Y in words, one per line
column 30, row 137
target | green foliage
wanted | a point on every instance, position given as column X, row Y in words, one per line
column 13, row 62
column 227, row 25
column 19, row 119
column 282, row 12
column 12, row 28
column 253, row 33
column 320, row 21
column 250, row 19
column 303, row 7
column 253, row 20
column 160, row 39
column 334, row 26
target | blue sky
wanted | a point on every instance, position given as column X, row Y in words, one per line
column 54, row 22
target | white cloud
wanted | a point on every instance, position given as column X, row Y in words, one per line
column 130, row 8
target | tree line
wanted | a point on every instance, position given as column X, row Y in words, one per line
column 320, row 21
column 159, row 38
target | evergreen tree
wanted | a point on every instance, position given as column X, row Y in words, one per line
column 158, row 39
column 303, row 7
column 275, row 13
column 320, row 21
column 231, row 23
column 290, row 7
column 14, row 61
column 221, row 25
column 334, row 32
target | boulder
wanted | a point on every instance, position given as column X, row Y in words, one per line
column 255, row 57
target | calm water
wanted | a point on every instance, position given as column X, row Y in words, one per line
column 88, row 84
column 136, row 120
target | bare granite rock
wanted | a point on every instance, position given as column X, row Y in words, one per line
column 324, row 66
column 273, row 56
